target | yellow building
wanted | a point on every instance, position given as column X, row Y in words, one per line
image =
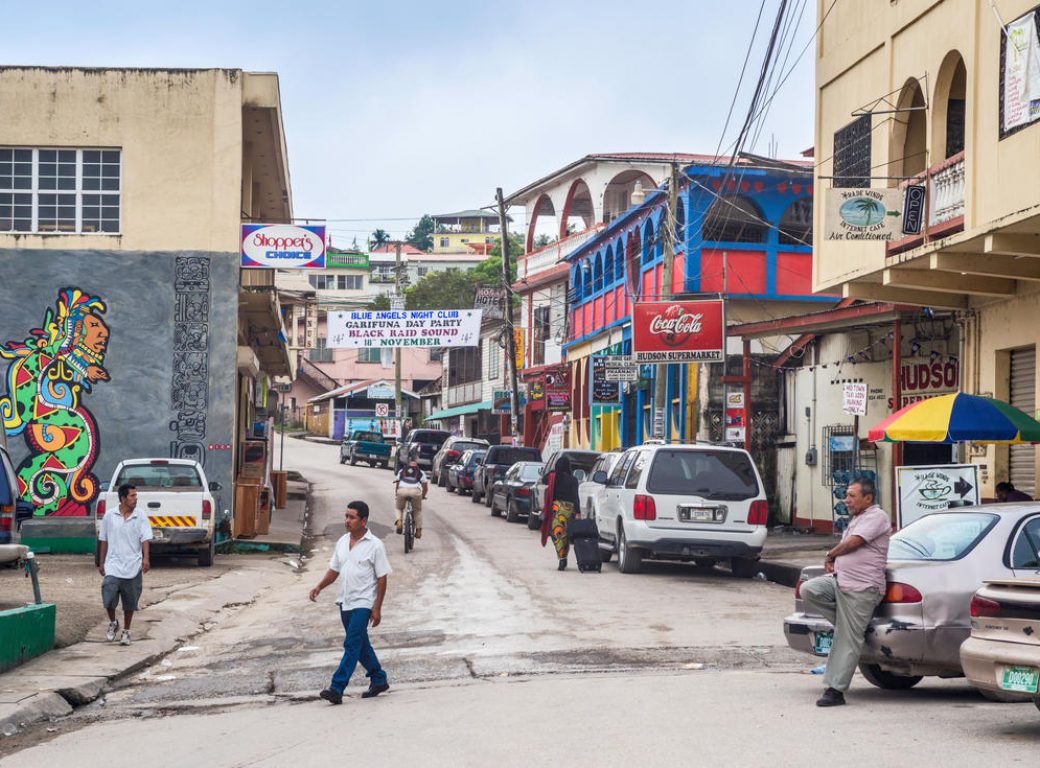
column 943, row 94
column 465, row 232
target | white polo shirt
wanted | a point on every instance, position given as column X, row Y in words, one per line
column 124, row 538
column 359, row 569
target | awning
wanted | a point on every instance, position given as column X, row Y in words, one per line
column 459, row 410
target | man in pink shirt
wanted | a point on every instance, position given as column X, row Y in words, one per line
column 852, row 588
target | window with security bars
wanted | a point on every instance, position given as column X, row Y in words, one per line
column 368, row 355
column 852, row 154
column 73, row 191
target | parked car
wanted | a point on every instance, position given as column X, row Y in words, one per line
column 699, row 503
column 451, row 451
column 177, row 498
column 1002, row 656
column 423, row 444
column 460, row 474
column 12, row 509
column 496, row 463
column 370, row 447
column 595, row 481
column 935, row 564
column 514, row 492
column 581, row 466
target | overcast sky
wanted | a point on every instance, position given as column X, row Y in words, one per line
column 394, row 109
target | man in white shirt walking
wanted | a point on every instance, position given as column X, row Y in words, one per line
column 361, row 560
column 124, row 539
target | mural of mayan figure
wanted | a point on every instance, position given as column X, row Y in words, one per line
column 47, row 377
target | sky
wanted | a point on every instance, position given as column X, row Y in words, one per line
column 396, row 109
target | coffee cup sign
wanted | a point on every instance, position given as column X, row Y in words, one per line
column 854, row 398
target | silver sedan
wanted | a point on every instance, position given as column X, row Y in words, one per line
column 935, row 564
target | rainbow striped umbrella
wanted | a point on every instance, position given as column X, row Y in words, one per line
column 955, row 418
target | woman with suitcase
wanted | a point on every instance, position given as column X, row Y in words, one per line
column 563, row 507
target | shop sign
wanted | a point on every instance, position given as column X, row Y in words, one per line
column 604, row 391
column 619, row 368
column 736, row 416
column 919, row 380
column 558, row 389
column 863, row 214
column 923, row 490
column 518, row 347
column 502, row 400
column 679, row 331
column 913, row 209
column 854, row 398
column 414, row 328
column 537, row 391
column 492, row 300
column 283, row 246
column 1020, row 74
column 380, row 391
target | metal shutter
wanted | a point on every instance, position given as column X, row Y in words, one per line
column 1022, row 469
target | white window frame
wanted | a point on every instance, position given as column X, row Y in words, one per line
column 78, row 192
column 494, row 360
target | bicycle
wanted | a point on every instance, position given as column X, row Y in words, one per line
column 408, row 527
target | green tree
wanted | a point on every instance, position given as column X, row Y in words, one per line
column 448, row 289
column 421, row 235
column 379, row 238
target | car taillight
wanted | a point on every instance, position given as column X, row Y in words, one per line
column 980, row 606
column 100, row 509
column 798, row 589
column 523, row 491
column 759, row 513
column 207, row 509
column 159, row 462
column 901, row 593
column 643, row 508
column 452, row 454
column 6, row 513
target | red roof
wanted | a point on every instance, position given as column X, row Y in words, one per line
column 406, row 249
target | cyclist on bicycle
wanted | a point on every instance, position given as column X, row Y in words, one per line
column 411, row 484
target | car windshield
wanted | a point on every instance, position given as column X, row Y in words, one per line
column 582, row 460
column 717, row 475
column 177, row 477
column 461, row 446
column 474, row 458
column 511, row 456
column 942, row 536
column 530, row 472
column 432, row 436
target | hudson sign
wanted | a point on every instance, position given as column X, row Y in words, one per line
column 679, row 332
column 283, row 246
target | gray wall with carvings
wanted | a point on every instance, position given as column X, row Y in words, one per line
column 171, row 353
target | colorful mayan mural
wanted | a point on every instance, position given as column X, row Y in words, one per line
column 48, row 375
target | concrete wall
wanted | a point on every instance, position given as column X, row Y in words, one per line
column 161, row 375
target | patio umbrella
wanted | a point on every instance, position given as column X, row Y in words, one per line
column 955, row 418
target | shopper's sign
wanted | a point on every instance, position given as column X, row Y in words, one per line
column 283, row 246
column 923, row 490
column 863, row 214
column 679, row 331
column 415, row 328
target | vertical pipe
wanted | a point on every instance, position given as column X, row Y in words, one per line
column 897, row 397
column 747, row 393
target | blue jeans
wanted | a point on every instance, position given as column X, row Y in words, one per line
column 356, row 647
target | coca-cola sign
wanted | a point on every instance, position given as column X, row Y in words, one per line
column 679, row 331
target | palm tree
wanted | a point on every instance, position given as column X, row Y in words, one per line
column 379, row 238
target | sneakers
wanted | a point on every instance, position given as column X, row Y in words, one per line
column 331, row 696
column 113, row 630
column 125, row 639
column 832, row 697
column 375, row 690
column 418, row 533
column 397, row 527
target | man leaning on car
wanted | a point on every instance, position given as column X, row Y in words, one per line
column 852, row 587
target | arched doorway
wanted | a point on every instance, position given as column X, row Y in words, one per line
column 908, row 149
column 949, row 105
column 578, row 213
column 536, row 231
column 617, row 197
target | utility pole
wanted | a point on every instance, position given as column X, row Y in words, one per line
column 514, row 393
column 398, row 303
column 668, row 232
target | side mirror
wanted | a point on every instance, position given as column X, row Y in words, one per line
column 600, row 477
column 215, row 486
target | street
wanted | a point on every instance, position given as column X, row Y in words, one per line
column 495, row 658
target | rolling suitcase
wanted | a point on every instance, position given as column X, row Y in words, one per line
column 584, row 536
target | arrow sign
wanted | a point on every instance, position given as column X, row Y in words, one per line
column 963, row 487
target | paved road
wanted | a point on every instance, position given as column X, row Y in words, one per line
column 483, row 640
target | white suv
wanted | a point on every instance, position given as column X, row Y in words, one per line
column 696, row 502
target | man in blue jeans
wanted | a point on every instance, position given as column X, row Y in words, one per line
column 361, row 560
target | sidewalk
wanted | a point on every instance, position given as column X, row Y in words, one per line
column 53, row 684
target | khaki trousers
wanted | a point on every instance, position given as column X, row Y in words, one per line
column 849, row 612
column 415, row 494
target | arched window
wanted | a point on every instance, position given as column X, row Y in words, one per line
column 680, row 227
column 908, row 145
column 649, row 242
column 796, row 223
column 586, row 279
column 608, row 267
column 632, row 259
column 735, row 219
column 597, row 273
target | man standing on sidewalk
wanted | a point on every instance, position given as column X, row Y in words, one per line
column 123, row 558
column 852, row 588
column 361, row 560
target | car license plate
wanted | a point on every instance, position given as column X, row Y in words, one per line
column 822, row 643
column 1022, row 679
column 157, row 534
column 701, row 514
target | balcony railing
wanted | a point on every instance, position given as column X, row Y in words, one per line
column 462, row 394
column 550, row 255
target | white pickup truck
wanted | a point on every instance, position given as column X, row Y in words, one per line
column 177, row 499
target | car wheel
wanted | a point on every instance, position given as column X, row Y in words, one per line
column 474, row 496
column 511, row 515
column 743, row 567
column 442, row 480
column 1004, row 697
column 449, row 488
column 353, row 461
column 206, row 555
column 533, row 523
column 487, row 500
column 495, row 511
column 890, row 681
column 341, row 459
column 629, row 559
